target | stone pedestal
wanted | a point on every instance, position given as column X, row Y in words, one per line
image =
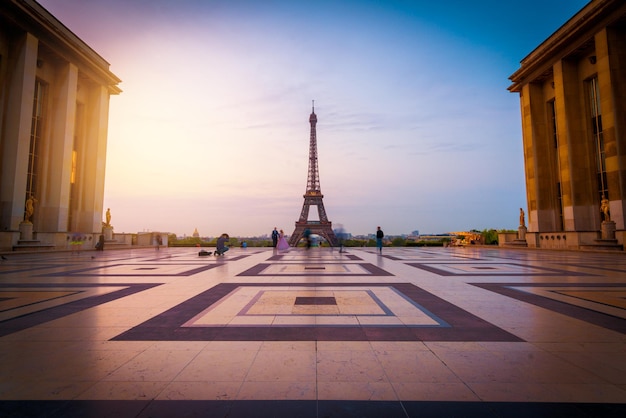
column 608, row 230
column 108, row 233
column 26, row 231
column 607, row 240
column 520, row 241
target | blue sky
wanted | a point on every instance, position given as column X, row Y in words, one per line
column 416, row 129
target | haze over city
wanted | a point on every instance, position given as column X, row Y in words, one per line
column 416, row 129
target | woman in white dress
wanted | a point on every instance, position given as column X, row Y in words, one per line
column 282, row 242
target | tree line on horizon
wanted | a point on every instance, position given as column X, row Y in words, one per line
column 487, row 237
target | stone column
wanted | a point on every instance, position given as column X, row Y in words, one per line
column 578, row 185
column 93, row 163
column 54, row 205
column 528, row 103
column 610, row 54
column 16, row 135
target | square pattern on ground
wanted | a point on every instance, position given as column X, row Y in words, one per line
column 602, row 304
column 16, row 302
column 317, row 257
column 25, row 305
column 303, row 306
column 13, row 269
column 491, row 269
column 268, row 312
column 315, row 269
column 137, row 270
column 428, row 257
column 612, row 266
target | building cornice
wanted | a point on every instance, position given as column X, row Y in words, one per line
column 34, row 18
column 574, row 35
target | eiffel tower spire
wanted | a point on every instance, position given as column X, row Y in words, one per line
column 313, row 197
column 313, row 179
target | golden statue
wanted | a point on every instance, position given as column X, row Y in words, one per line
column 604, row 209
column 108, row 217
column 522, row 222
column 30, row 208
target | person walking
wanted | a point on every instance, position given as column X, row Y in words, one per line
column 379, row 239
column 274, row 237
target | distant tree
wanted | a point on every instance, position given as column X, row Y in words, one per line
column 187, row 242
column 398, row 242
column 355, row 242
column 370, row 242
column 490, row 236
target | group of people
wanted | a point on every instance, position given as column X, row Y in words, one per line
column 280, row 242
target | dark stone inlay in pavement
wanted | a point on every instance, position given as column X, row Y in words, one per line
column 600, row 265
column 315, row 300
column 20, row 323
column 304, row 408
column 536, row 271
column 93, row 271
column 574, row 311
column 371, row 270
column 280, row 257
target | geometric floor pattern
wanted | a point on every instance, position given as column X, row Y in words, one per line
column 340, row 312
column 414, row 332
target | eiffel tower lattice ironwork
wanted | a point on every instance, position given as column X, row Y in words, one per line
column 313, row 197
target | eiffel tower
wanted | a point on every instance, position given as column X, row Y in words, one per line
column 313, row 197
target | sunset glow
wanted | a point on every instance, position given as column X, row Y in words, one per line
column 416, row 128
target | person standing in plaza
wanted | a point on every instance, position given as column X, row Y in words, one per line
column 274, row 237
column 341, row 236
column 379, row 239
column 282, row 242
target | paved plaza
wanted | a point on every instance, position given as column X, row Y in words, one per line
column 414, row 332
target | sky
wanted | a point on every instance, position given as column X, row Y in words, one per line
column 416, row 128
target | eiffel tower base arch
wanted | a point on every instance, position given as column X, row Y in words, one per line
column 323, row 229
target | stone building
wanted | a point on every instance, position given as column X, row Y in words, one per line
column 572, row 90
column 54, row 105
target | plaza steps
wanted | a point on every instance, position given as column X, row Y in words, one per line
column 116, row 245
column 603, row 245
column 32, row 245
column 516, row 243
